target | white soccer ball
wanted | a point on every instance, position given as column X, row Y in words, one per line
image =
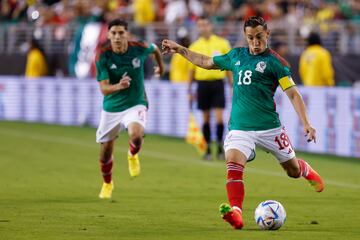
column 270, row 215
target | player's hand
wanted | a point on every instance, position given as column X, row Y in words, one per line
column 310, row 133
column 124, row 83
column 168, row 46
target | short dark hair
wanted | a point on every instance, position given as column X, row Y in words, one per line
column 118, row 22
column 314, row 39
column 204, row 17
column 255, row 21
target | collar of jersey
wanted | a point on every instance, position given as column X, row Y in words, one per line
column 261, row 54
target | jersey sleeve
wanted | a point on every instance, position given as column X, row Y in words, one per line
column 283, row 76
column 223, row 61
column 101, row 70
column 150, row 48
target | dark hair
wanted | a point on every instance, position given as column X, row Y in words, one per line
column 313, row 39
column 34, row 44
column 255, row 21
column 118, row 22
column 204, row 17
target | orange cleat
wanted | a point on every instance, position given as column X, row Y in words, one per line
column 314, row 179
column 231, row 215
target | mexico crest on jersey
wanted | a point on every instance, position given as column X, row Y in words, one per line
column 260, row 67
column 136, row 62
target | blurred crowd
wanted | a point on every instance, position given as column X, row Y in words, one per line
column 305, row 16
column 144, row 12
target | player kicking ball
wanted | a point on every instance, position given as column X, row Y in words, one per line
column 120, row 73
column 257, row 72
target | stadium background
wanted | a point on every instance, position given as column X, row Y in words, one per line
column 35, row 168
column 72, row 33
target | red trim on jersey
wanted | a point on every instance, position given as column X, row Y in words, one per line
column 138, row 44
column 283, row 62
column 274, row 105
column 105, row 47
column 280, row 58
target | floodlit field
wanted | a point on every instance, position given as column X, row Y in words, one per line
column 50, row 179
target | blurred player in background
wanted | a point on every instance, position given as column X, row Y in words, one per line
column 315, row 66
column 120, row 73
column 180, row 66
column 258, row 71
column 210, row 84
column 36, row 63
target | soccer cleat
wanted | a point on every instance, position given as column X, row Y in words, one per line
column 106, row 190
column 134, row 165
column 314, row 179
column 231, row 215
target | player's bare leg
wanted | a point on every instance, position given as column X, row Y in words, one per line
column 232, row 213
column 297, row 167
column 136, row 134
column 106, row 164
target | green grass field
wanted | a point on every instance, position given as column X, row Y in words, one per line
column 50, row 180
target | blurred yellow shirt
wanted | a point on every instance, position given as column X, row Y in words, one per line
column 315, row 67
column 214, row 46
column 179, row 69
column 144, row 12
column 36, row 65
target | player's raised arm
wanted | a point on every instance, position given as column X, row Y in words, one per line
column 159, row 70
column 199, row 60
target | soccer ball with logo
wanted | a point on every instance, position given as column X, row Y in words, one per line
column 270, row 215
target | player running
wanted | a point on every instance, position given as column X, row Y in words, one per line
column 257, row 72
column 120, row 72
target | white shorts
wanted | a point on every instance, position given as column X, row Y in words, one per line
column 274, row 141
column 111, row 123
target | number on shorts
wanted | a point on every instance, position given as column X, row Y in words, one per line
column 283, row 141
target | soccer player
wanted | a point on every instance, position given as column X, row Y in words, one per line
column 120, row 73
column 36, row 62
column 257, row 71
column 315, row 68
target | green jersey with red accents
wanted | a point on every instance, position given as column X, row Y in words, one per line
column 113, row 67
column 256, row 78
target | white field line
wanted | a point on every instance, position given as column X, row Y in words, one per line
column 154, row 154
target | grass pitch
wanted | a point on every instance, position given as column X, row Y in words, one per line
column 50, row 180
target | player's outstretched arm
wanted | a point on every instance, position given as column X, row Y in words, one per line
column 159, row 70
column 299, row 106
column 198, row 59
column 107, row 88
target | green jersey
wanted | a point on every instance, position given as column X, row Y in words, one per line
column 113, row 67
column 256, row 78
